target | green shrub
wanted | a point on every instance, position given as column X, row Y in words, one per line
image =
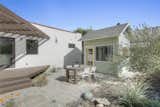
column 40, row 80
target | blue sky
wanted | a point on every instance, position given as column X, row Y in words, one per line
column 71, row 14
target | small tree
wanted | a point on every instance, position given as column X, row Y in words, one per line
column 145, row 48
column 82, row 31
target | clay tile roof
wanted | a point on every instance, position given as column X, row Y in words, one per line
column 11, row 23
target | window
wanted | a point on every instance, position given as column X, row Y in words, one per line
column 32, row 46
column 71, row 45
column 103, row 53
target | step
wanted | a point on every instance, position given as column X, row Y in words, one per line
column 10, row 76
column 11, row 79
column 15, row 87
column 14, row 82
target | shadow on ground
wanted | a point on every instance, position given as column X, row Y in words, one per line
column 61, row 78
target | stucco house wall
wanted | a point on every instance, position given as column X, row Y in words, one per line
column 54, row 51
column 20, row 47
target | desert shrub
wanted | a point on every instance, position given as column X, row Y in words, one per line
column 116, row 63
column 138, row 59
column 40, row 80
column 51, row 69
column 80, row 103
column 136, row 96
column 145, row 49
column 10, row 103
column 152, row 103
column 145, row 56
column 73, row 104
column 153, row 80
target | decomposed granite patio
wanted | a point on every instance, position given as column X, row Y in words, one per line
column 57, row 93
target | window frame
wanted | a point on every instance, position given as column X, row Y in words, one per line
column 109, row 56
column 30, row 52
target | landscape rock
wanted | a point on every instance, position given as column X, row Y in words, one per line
column 125, row 73
column 102, row 101
column 99, row 105
column 87, row 96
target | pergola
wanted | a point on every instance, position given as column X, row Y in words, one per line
column 13, row 24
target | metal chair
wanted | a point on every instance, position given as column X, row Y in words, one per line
column 85, row 73
column 76, row 65
column 93, row 71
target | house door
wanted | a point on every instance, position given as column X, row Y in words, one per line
column 90, row 56
column 7, row 51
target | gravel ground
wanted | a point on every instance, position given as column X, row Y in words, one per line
column 57, row 93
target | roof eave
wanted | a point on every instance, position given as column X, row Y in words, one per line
column 125, row 28
column 97, row 38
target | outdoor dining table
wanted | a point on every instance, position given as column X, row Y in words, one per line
column 72, row 69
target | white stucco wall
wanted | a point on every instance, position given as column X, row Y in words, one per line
column 55, row 51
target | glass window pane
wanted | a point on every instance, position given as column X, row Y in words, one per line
column 71, row 45
column 32, row 46
column 104, row 52
column 6, row 46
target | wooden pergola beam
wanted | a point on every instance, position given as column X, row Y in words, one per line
column 18, row 30
column 12, row 26
column 22, row 33
column 9, row 17
column 12, row 23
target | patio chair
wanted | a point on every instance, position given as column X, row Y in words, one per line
column 93, row 71
column 76, row 65
column 68, row 66
column 85, row 73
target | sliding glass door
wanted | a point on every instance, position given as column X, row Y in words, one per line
column 7, row 51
